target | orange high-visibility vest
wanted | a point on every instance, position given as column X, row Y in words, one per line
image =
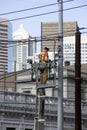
column 43, row 56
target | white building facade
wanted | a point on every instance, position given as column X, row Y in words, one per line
column 23, row 47
column 69, row 49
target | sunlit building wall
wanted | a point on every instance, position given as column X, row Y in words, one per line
column 69, row 49
column 22, row 49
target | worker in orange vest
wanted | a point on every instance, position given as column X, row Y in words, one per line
column 44, row 58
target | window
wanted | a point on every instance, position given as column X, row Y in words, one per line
column 10, row 128
column 28, row 129
column 30, row 48
column 24, row 53
column 27, row 91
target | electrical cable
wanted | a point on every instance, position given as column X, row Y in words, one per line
column 18, row 62
column 34, row 8
column 13, row 73
column 76, row 7
column 31, row 43
column 38, row 39
column 42, row 14
column 23, row 10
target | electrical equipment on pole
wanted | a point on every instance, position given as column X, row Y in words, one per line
column 40, row 93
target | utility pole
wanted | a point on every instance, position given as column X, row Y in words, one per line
column 15, row 74
column 4, row 78
column 40, row 104
column 60, row 66
column 78, row 82
column 34, row 48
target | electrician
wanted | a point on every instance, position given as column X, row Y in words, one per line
column 44, row 58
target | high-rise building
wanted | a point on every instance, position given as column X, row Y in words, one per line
column 50, row 38
column 69, row 49
column 23, row 48
column 49, row 33
column 5, row 36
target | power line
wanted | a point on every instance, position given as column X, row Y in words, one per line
column 12, row 73
column 42, row 14
column 34, row 8
column 18, row 62
column 23, row 10
column 27, row 17
column 76, row 7
column 40, row 38
column 51, row 37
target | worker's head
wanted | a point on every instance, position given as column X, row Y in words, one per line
column 46, row 49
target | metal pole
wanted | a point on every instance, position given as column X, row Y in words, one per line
column 34, row 48
column 15, row 74
column 78, row 82
column 36, row 112
column 4, row 78
column 60, row 66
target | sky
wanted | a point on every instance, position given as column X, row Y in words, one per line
column 32, row 24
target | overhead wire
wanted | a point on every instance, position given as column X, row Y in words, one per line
column 18, row 62
column 53, row 12
column 85, row 5
column 76, row 7
column 49, row 37
column 23, row 10
column 22, row 44
column 41, row 14
column 12, row 44
column 57, row 11
column 34, row 8
column 13, row 73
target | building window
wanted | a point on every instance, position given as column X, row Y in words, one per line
column 30, row 48
column 28, row 129
column 10, row 128
column 27, row 91
column 24, row 54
